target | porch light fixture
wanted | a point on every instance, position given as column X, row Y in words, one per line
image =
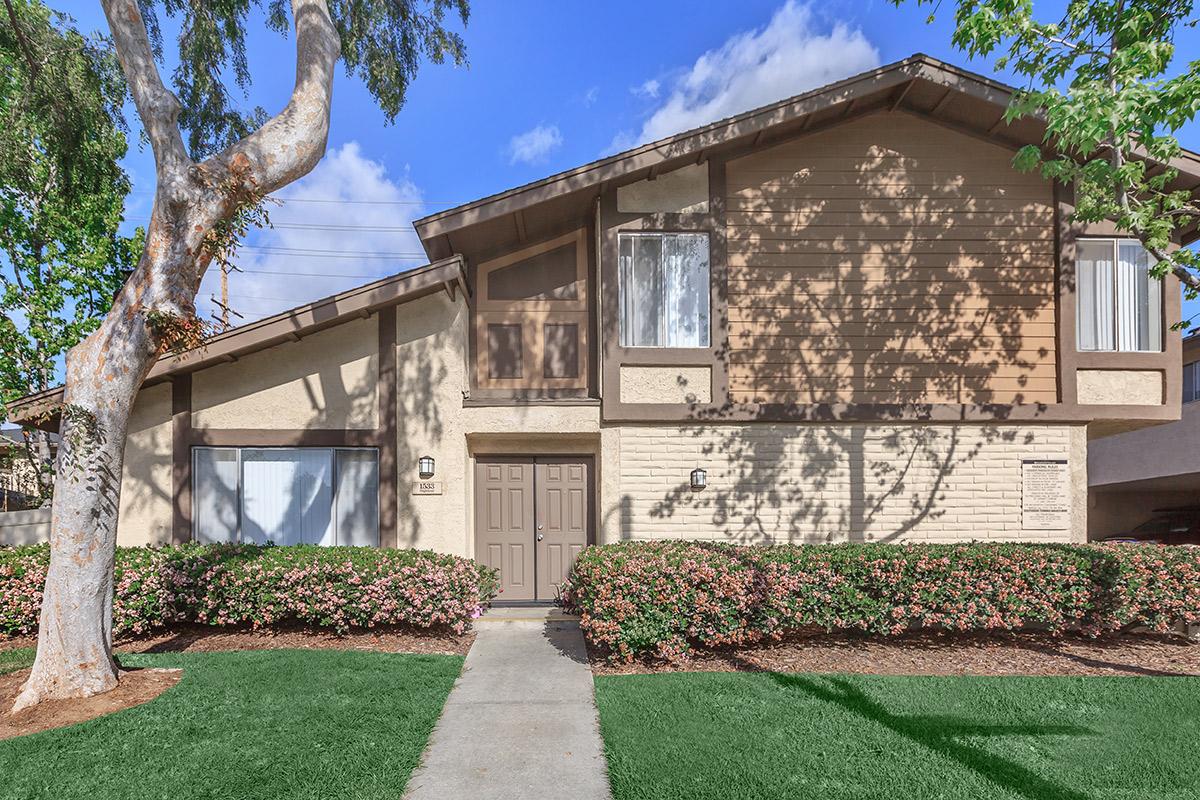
column 699, row 478
column 425, row 466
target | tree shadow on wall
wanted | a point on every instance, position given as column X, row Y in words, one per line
column 898, row 281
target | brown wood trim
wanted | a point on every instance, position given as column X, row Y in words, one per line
column 386, row 397
column 883, row 412
column 181, row 458
column 292, row 437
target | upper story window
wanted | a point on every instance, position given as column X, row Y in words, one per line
column 1119, row 304
column 664, row 282
column 1191, row 382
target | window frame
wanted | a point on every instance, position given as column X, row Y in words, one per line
column 1195, row 370
column 1115, row 243
column 621, row 296
column 237, row 450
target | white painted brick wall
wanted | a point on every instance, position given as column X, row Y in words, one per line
column 817, row 483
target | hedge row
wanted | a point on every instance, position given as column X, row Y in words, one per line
column 329, row 587
column 662, row 599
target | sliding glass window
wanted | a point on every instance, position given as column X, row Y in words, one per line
column 286, row 495
column 664, row 283
column 1118, row 302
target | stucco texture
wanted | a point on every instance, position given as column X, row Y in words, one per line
column 325, row 380
column 146, row 510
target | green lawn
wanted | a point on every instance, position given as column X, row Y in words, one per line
column 18, row 658
column 764, row 735
column 265, row 724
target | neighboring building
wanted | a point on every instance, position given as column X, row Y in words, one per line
column 19, row 488
column 1131, row 475
column 844, row 316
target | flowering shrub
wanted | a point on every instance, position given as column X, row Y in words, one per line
column 662, row 599
column 330, row 587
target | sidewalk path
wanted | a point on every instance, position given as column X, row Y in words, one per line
column 521, row 721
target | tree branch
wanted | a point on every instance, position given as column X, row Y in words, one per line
column 291, row 143
column 22, row 41
column 157, row 107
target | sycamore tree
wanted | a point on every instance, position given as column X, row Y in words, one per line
column 62, row 192
column 213, row 162
column 1102, row 76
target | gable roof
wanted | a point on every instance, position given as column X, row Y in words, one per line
column 919, row 84
column 287, row 326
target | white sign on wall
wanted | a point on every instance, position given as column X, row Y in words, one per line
column 427, row 487
column 1045, row 495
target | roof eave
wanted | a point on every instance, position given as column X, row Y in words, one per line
column 40, row 410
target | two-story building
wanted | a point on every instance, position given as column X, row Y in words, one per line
column 840, row 317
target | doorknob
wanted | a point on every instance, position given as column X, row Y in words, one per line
column 540, row 537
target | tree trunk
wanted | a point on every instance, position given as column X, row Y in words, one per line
column 106, row 370
column 104, row 373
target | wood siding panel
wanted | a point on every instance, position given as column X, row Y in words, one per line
column 889, row 260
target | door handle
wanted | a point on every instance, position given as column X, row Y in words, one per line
column 540, row 537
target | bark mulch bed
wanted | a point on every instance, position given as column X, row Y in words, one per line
column 934, row 654
column 204, row 639
column 137, row 686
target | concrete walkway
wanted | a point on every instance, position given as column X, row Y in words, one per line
column 521, row 721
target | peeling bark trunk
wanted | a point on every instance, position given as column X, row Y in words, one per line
column 106, row 370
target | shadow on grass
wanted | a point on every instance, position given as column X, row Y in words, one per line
column 940, row 734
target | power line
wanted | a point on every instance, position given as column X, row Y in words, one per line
column 315, row 253
column 340, row 227
column 347, row 202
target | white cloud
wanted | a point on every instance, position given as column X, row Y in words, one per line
column 648, row 88
column 372, row 215
column 534, row 145
column 789, row 56
column 591, row 96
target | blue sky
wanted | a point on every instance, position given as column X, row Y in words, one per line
column 550, row 85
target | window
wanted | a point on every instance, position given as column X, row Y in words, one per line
column 1119, row 304
column 1191, row 382
column 286, row 495
column 664, row 289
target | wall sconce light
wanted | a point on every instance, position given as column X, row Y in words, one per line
column 699, row 478
column 425, row 466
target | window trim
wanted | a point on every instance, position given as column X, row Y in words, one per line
column 240, row 482
column 1195, row 365
column 708, row 237
column 1116, row 242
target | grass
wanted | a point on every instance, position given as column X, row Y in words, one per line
column 768, row 735
column 264, row 724
column 15, row 659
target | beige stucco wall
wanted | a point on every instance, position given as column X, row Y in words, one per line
column 829, row 483
column 146, row 511
column 681, row 191
column 1119, row 387
column 325, row 380
column 666, row 384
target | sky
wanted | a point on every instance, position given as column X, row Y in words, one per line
column 551, row 85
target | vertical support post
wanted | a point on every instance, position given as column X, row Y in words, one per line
column 389, row 477
column 181, row 458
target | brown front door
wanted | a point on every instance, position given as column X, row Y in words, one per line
column 504, row 524
column 531, row 521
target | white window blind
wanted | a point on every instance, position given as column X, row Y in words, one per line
column 1118, row 303
column 286, row 496
column 215, row 488
column 664, row 288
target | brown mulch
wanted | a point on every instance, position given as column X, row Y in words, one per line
column 204, row 639
column 934, row 654
column 137, row 686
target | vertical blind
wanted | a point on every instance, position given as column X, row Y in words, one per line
column 664, row 287
column 1118, row 301
column 324, row 496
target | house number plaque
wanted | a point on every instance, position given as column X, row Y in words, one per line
column 427, row 487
